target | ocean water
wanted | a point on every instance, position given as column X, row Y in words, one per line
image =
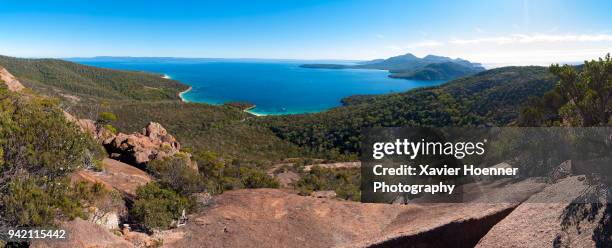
column 274, row 87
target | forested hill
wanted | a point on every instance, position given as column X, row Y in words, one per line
column 493, row 97
column 137, row 98
column 408, row 66
column 63, row 78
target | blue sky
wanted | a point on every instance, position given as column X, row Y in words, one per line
column 504, row 31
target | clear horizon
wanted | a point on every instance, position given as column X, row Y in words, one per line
column 503, row 32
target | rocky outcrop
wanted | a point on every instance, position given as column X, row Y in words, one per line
column 153, row 143
column 290, row 220
column 116, row 176
column 555, row 217
column 98, row 132
column 340, row 165
column 11, row 82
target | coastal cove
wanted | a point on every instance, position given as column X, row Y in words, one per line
column 274, row 87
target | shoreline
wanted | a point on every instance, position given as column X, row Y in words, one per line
column 182, row 93
column 166, row 76
column 253, row 113
column 248, row 110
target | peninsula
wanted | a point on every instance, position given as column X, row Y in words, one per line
column 408, row 66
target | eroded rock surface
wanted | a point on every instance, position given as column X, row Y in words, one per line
column 11, row 82
column 550, row 219
column 116, row 175
column 278, row 218
column 84, row 234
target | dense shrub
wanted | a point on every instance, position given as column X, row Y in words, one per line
column 156, row 207
column 176, row 174
column 39, row 148
column 221, row 129
column 222, row 176
column 252, row 177
column 106, row 117
column 582, row 97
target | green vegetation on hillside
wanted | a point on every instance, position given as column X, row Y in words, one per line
column 583, row 97
column 221, row 174
column 203, row 127
column 39, row 148
column 160, row 203
column 438, row 71
column 60, row 78
column 118, row 100
column 345, row 182
column 157, row 207
column 489, row 98
column 240, row 105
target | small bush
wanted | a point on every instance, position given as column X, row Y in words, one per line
column 256, row 178
column 345, row 182
column 110, row 128
column 107, row 117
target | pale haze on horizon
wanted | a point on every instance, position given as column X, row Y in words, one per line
column 502, row 32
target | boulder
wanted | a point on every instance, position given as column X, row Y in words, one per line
column 107, row 219
column 203, row 199
column 562, row 171
column 153, row 143
column 116, row 175
column 139, row 239
column 11, row 82
column 92, row 128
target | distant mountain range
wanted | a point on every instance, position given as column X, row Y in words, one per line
column 408, row 66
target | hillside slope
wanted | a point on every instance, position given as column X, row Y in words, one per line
column 221, row 129
column 491, row 98
column 437, row 71
column 137, row 98
column 62, row 78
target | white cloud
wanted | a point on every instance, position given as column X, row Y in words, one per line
column 517, row 49
column 535, row 38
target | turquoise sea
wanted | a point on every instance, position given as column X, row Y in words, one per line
column 275, row 87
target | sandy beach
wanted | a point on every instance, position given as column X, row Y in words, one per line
column 183, row 92
column 190, row 88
